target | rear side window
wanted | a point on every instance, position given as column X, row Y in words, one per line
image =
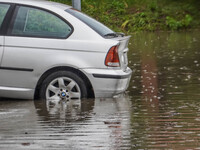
column 3, row 10
column 39, row 23
column 92, row 23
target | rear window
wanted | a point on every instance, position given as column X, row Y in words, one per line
column 92, row 23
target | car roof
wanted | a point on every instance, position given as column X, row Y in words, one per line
column 42, row 3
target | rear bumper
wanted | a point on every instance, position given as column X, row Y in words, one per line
column 108, row 82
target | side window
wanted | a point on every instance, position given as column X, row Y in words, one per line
column 39, row 23
column 3, row 10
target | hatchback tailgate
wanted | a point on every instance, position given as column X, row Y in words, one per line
column 123, row 50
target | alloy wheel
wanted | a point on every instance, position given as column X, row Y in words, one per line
column 63, row 88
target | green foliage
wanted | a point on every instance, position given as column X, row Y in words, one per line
column 153, row 6
column 187, row 21
column 143, row 21
column 174, row 24
column 149, row 15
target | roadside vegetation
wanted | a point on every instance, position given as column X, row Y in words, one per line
column 148, row 15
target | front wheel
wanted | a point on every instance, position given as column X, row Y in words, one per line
column 63, row 85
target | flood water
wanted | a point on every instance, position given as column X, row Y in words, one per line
column 160, row 110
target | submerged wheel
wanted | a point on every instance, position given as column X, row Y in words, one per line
column 63, row 85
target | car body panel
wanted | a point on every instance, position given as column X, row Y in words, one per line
column 42, row 58
column 16, row 92
column 123, row 50
column 1, row 47
column 109, row 82
column 38, row 3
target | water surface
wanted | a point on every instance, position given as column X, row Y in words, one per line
column 165, row 90
column 160, row 110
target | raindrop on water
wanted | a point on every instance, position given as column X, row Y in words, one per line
column 194, row 39
column 134, row 87
column 189, row 76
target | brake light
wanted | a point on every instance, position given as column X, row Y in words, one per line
column 112, row 58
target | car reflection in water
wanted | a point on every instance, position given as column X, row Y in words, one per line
column 99, row 123
column 71, row 110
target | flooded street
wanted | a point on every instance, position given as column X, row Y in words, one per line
column 99, row 124
column 160, row 110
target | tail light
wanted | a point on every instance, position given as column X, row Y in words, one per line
column 112, row 58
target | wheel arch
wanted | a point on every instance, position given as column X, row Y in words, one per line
column 64, row 68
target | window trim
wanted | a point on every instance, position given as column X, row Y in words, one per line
column 15, row 11
column 7, row 18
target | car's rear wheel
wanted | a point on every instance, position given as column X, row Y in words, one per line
column 63, row 85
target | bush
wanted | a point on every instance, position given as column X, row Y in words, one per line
column 136, row 15
column 174, row 24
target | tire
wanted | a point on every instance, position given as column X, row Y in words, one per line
column 63, row 85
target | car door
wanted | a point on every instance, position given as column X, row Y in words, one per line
column 1, row 46
column 3, row 11
column 33, row 34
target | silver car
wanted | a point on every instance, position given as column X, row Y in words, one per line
column 51, row 51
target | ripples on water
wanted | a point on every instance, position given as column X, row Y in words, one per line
column 165, row 113
column 74, row 125
column 161, row 109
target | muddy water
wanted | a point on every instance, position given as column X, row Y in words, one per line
column 90, row 124
column 165, row 90
column 160, row 110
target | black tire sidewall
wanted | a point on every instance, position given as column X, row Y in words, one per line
column 68, row 74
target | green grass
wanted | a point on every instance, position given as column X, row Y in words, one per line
column 148, row 15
